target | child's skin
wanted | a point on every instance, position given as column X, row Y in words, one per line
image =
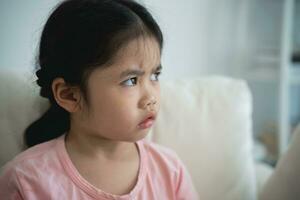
column 102, row 136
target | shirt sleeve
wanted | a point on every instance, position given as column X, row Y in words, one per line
column 9, row 185
column 185, row 189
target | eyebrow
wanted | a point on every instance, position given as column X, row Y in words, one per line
column 138, row 72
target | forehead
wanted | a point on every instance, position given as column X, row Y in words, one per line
column 142, row 53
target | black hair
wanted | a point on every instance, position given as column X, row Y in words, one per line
column 78, row 37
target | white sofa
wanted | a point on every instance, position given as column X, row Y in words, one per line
column 207, row 121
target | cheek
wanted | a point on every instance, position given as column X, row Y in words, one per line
column 115, row 109
column 158, row 96
column 158, row 92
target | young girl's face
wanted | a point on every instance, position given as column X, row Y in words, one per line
column 124, row 94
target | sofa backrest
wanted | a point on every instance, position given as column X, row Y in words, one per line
column 20, row 104
column 207, row 121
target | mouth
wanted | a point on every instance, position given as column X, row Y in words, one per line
column 148, row 121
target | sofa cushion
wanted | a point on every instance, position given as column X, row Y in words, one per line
column 207, row 121
column 20, row 105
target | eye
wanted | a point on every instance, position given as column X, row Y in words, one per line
column 154, row 77
column 130, row 82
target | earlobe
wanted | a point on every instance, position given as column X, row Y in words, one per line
column 66, row 96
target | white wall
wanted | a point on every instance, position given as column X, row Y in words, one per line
column 200, row 35
column 20, row 26
column 182, row 26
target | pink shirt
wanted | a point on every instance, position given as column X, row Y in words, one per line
column 45, row 171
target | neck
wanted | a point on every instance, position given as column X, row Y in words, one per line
column 97, row 147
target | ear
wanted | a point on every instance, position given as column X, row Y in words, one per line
column 66, row 96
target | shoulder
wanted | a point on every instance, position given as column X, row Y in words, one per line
column 165, row 163
column 157, row 148
column 33, row 170
column 161, row 155
column 30, row 161
column 35, row 153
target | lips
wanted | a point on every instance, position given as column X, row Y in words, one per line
column 148, row 121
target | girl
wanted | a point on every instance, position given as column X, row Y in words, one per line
column 99, row 63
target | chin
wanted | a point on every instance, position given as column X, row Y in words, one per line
column 139, row 136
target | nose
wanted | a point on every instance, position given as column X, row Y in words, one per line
column 149, row 100
column 148, row 103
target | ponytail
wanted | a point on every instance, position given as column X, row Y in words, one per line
column 54, row 123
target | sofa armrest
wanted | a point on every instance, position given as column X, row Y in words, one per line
column 263, row 172
column 285, row 180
